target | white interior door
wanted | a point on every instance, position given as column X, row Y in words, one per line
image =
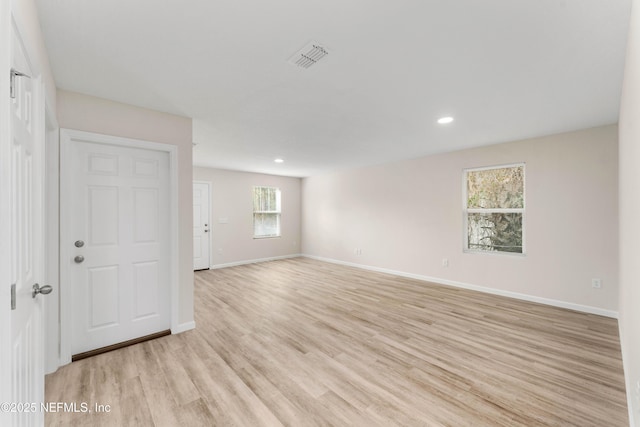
column 201, row 226
column 26, row 206
column 116, row 242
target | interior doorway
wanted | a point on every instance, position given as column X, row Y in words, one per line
column 201, row 225
column 116, row 240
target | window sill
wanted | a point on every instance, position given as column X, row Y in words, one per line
column 494, row 253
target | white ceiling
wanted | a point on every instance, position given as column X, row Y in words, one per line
column 505, row 69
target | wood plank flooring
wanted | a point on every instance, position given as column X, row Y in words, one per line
column 300, row 342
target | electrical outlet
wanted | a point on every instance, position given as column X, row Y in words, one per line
column 445, row 262
column 596, row 283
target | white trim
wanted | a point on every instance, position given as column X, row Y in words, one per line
column 480, row 210
column 5, row 213
column 40, row 234
column 499, row 166
column 52, row 241
column 484, row 289
column 66, row 136
column 174, row 218
column 254, row 261
column 183, row 327
column 494, row 253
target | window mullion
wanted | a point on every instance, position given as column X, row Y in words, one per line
column 494, row 210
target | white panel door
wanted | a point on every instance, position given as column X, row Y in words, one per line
column 201, row 226
column 26, row 177
column 118, row 242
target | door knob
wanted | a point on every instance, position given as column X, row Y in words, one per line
column 79, row 243
column 45, row 290
column 78, row 259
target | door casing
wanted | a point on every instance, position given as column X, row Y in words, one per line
column 5, row 210
column 67, row 136
column 52, row 238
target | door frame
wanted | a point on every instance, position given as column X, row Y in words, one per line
column 5, row 210
column 67, row 136
column 209, row 184
column 52, row 241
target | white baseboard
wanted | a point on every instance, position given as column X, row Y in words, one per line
column 253, row 261
column 516, row 295
column 183, row 327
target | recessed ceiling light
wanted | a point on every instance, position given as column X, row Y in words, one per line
column 445, row 120
column 279, row 160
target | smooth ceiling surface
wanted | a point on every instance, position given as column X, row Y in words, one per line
column 505, row 69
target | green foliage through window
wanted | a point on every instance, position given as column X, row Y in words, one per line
column 495, row 209
column 266, row 212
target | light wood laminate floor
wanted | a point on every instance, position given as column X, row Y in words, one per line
column 299, row 342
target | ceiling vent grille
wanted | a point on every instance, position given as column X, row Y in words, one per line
column 308, row 55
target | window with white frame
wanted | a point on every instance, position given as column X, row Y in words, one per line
column 494, row 209
column 266, row 212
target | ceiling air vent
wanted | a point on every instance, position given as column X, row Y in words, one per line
column 308, row 55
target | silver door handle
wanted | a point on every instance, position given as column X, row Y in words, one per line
column 79, row 243
column 45, row 290
column 78, row 259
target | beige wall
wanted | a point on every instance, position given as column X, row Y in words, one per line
column 630, row 216
column 233, row 241
column 407, row 216
column 87, row 113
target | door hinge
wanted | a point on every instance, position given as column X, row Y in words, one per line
column 13, row 296
column 12, row 81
